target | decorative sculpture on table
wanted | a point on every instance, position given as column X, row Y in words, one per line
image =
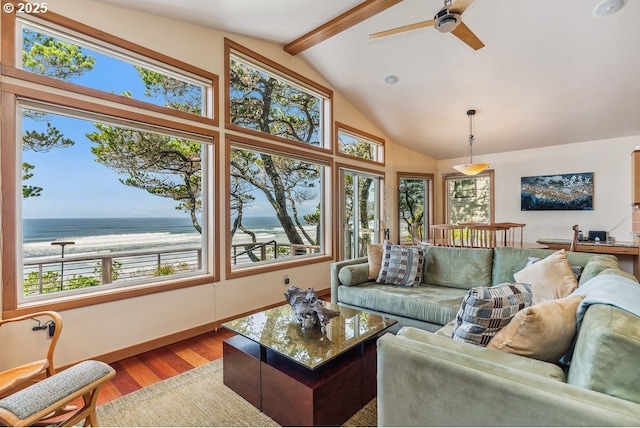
column 308, row 308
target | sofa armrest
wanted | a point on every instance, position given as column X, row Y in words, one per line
column 335, row 269
column 428, row 383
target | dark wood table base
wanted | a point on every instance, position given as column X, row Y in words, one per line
column 293, row 395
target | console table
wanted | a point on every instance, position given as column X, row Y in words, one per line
column 619, row 248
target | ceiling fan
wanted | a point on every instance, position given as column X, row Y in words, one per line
column 447, row 20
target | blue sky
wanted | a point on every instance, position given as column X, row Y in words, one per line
column 76, row 186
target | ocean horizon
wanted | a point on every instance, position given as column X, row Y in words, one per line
column 98, row 235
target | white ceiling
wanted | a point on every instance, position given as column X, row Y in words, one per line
column 551, row 72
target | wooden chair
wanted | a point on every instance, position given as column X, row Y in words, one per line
column 447, row 235
column 486, row 235
column 28, row 399
column 510, row 235
column 574, row 240
column 15, row 378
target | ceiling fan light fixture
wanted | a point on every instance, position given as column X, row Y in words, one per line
column 445, row 21
column 471, row 168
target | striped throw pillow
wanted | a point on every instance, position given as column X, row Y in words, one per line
column 485, row 310
column 401, row 265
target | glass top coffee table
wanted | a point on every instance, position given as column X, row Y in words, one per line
column 278, row 330
column 304, row 377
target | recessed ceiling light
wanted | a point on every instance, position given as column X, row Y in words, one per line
column 391, row 79
column 608, row 7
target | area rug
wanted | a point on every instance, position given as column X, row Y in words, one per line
column 197, row 398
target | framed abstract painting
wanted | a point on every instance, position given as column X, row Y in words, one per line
column 557, row 192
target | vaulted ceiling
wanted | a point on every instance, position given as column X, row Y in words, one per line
column 551, row 72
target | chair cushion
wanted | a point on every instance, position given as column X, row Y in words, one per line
column 47, row 392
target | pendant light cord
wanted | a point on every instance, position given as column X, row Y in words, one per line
column 471, row 113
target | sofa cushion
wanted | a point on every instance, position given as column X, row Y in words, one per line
column 374, row 257
column 401, row 265
column 606, row 356
column 428, row 303
column 544, row 331
column 354, row 274
column 528, row 365
column 458, row 267
column 596, row 265
column 550, row 278
column 485, row 310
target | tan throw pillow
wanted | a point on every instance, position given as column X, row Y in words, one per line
column 550, row 278
column 544, row 331
column 374, row 257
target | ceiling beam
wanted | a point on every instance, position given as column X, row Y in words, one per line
column 356, row 15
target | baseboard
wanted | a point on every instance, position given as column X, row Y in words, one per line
column 159, row 342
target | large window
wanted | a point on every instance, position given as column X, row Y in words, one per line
column 276, row 205
column 266, row 99
column 49, row 53
column 358, row 144
column 469, row 199
column 101, row 201
column 107, row 203
column 277, row 184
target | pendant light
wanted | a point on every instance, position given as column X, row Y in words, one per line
column 471, row 168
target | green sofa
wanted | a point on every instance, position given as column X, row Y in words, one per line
column 447, row 275
column 425, row 378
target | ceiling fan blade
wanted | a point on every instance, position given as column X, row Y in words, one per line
column 466, row 35
column 460, row 6
column 402, row 29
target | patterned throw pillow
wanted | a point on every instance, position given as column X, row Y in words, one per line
column 485, row 310
column 401, row 265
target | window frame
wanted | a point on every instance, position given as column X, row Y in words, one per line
column 11, row 260
column 234, row 141
column 232, row 48
column 339, row 203
column 428, row 216
column 10, row 67
column 378, row 142
column 456, row 175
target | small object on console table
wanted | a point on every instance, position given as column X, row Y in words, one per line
column 308, row 308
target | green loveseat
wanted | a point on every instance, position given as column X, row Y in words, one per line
column 429, row 379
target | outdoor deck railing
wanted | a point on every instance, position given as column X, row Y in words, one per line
column 270, row 250
column 55, row 273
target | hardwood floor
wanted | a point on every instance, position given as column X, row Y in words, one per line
column 150, row 367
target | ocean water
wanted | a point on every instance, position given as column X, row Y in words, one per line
column 92, row 236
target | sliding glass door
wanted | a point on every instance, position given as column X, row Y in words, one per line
column 359, row 212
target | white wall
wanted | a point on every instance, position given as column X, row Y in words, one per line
column 610, row 162
column 108, row 327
